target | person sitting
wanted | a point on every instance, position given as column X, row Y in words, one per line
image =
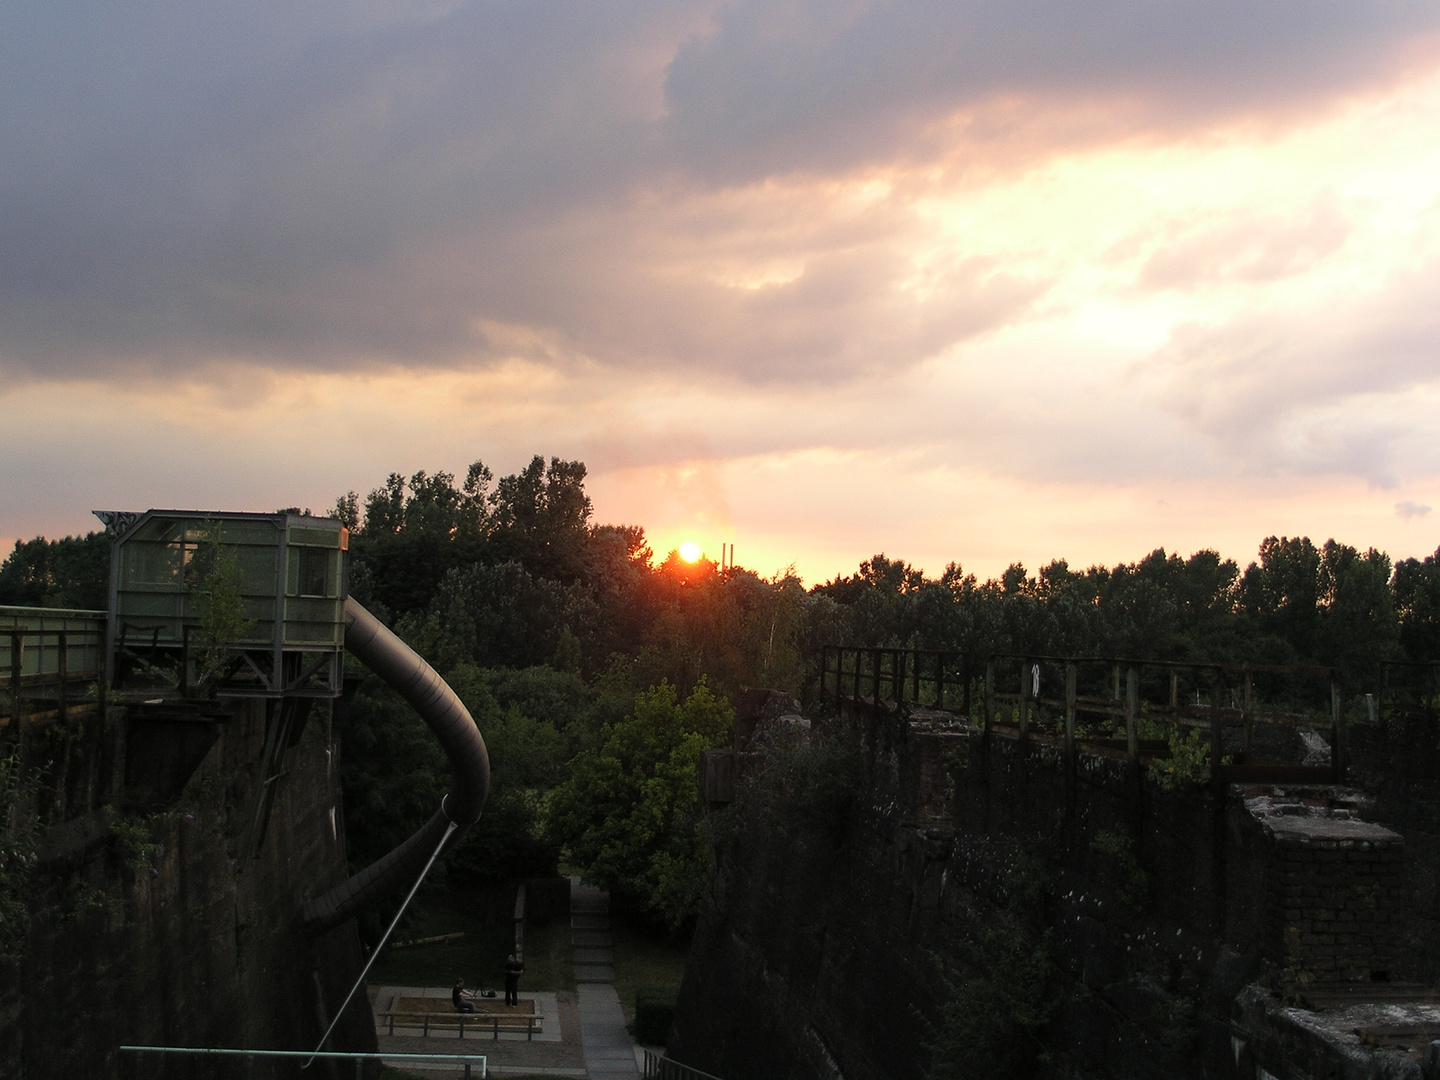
column 462, row 998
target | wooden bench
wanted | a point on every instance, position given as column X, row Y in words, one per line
column 494, row 1023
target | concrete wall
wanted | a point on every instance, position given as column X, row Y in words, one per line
column 823, row 950
column 167, row 912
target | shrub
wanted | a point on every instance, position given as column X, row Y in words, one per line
column 654, row 1015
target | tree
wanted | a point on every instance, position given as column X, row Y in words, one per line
column 1417, row 596
column 73, row 572
column 628, row 815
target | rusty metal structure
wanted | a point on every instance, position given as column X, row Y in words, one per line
column 1142, row 710
column 283, row 576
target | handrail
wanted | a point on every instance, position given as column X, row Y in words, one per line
column 40, row 658
column 864, row 674
column 659, row 1067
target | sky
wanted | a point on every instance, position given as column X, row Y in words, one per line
column 953, row 281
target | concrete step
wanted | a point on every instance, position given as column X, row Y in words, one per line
column 590, row 939
column 594, row 973
column 594, row 956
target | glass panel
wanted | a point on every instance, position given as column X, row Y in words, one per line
column 162, row 528
column 307, row 535
column 314, row 572
column 150, row 564
column 259, row 533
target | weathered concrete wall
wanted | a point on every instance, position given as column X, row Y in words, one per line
column 1398, row 765
column 168, row 911
column 823, row 951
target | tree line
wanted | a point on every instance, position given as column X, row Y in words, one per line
column 596, row 669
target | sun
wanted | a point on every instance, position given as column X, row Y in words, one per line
column 690, row 551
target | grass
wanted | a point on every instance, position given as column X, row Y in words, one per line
column 487, row 920
column 645, row 957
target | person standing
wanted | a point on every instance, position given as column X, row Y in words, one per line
column 513, row 968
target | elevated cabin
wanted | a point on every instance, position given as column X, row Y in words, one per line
column 241, row 604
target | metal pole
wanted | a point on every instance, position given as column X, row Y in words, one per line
column 1337, row 732
column 1217, row 733
column 989, row 693
column 1024, row 699
column 1132, row 708
column 1249, row 715
column 17, row 658
column 62, row 673
column 1070, row 675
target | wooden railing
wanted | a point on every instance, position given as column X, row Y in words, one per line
column 1107, row 705
column 50, row 674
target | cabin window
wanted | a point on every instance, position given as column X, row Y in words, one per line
column 314, row 572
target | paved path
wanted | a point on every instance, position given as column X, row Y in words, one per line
column 609, row 1050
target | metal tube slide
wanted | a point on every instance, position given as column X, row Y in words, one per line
column 419, row 684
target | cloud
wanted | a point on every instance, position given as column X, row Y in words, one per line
column 1329, row 384
column 783, row 86
column 638, row 185
column 1244, row 246
column 1407, row 510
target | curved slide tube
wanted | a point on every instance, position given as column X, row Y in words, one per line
column 419, row 684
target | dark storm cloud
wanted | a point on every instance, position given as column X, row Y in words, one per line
column 335, row 184
column 780, row 86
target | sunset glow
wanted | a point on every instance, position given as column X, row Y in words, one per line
column 832, row 282
column 690, row 551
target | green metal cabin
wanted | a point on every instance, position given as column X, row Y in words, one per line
column 248, row 604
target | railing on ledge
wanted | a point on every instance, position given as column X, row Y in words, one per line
column 934, row 679
column 1406, row 689
column 658, row 1067
column 51, row 663
column 1108, row 705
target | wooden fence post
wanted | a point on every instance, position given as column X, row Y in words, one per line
column 1070, row 677
column 1337, row 733
column 1024, row 699
column 1217, row 733
column 1132, row 709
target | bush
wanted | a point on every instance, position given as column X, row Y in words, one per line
column 654, row 1015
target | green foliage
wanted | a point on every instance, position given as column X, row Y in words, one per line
column 135, row 842
column 72, row 572
column 1135, row 883
column 628, row 815
column 999, row 985
column 802, row 780
column 214, row 581
column 1189, row 761
column 19, row 831
column 392, row 772
column 1177, row 1024
column 654, row 1015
